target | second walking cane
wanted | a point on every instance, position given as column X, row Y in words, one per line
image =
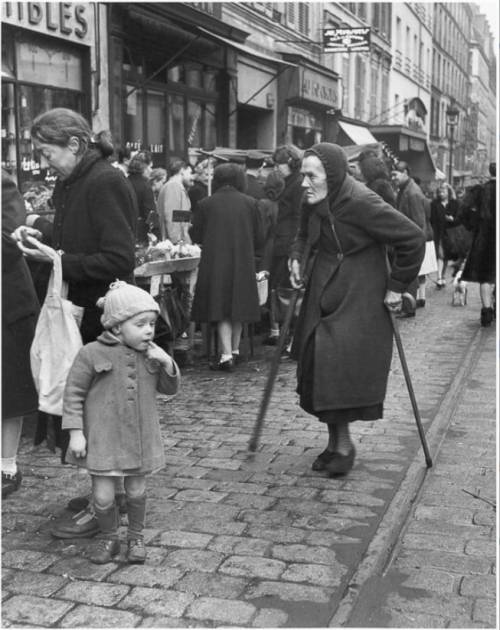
column 407, row 297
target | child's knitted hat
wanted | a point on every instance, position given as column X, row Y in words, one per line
column 123, row 301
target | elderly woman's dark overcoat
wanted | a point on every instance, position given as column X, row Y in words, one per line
column 343, row 338
column 228, row 226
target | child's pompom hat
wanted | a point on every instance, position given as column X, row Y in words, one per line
column 123, row 301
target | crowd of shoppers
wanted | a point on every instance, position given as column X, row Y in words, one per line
column 351, row 245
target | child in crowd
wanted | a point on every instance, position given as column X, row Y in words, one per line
column 110, row 412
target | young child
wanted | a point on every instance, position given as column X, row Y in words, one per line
column 110, row 412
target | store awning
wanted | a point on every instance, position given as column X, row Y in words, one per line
column 358, row 134
column 439, row 174
column 244, row 49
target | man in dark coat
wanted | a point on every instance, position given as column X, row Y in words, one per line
column 478, row 214
column 412, row 202
column 343, row 337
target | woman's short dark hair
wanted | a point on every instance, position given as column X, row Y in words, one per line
column 229, row 174
column 139, row 162
column 59, row 125
column 288, row 154
column 176, row 165
column 373, row 167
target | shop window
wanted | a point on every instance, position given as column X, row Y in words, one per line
column 176, row 74
column 133, row 119
column 155, row 122
column 176, row 135
column 194, row 113
column 32, row 101
column 9, row 156
column 210, row 133
column 50, row 65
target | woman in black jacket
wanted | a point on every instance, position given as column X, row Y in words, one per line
column 19, row 314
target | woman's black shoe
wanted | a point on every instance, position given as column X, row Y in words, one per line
column 340, row 464
column 322, row 460
column 224, row 366
column 486, row 316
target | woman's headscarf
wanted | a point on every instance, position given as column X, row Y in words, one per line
column 334, row 162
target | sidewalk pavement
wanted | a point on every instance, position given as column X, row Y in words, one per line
column 262, row 541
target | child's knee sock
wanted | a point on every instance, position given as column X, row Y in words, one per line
column 136, row 510
column 107, row 518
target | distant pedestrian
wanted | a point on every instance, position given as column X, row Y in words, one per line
column 173, row 198
column 444, row 208
column 343, row 337
column 253, row 164
column 376, row 176
column 157, row 178
column 412, row 202
column 111, row 415
column 139, row 171
column 228, row 227
column 478, row 214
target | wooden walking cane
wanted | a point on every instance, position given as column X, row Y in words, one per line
column 409, row 299
column 275, row 363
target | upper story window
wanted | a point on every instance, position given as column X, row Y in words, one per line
column 297, row 15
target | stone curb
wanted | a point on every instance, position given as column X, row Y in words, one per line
column 383, row 542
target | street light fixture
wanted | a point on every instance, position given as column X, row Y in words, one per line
column 452, row 114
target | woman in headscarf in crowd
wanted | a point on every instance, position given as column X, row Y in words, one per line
column 343, row 337
column 228, row 226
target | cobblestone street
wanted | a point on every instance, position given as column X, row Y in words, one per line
column 262, row 541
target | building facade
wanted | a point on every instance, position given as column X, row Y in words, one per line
column 53, row 55
column 173, row 77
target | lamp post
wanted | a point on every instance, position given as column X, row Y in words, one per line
column 452, row 113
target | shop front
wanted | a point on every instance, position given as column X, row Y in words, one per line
column 308, row 97
column 409, row 145
column 169, row 80
column 47, row 55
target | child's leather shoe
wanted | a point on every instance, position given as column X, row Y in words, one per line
column 136, row 551
column 104, row 550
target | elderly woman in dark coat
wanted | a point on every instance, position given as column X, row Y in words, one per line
column 94, row 231
column 19, row 314
column 343, row 339
column 228, row 226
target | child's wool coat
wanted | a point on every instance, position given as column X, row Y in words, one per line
column 111, row 395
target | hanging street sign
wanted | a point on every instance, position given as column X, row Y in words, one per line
column 346, row 39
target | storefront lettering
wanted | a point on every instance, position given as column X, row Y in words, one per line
column 66, row 18
column 318, row 91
